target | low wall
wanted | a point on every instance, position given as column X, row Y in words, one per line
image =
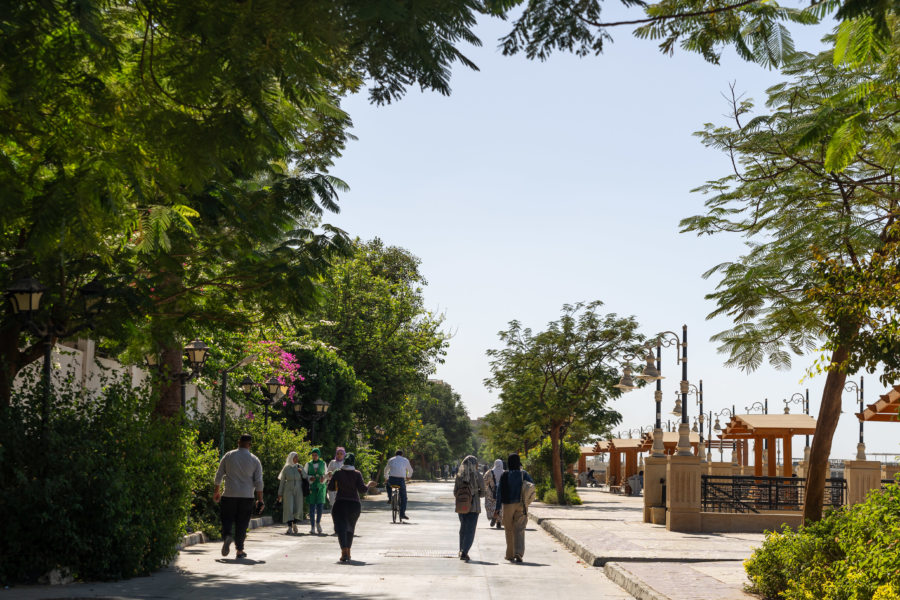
column 717, row 522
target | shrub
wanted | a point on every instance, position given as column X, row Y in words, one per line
column 851, row 554
column 550, row 497
column 107, row 484
column 540, row 461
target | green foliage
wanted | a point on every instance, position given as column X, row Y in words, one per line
column 540, row 461
column 442, row 408
column 108, row 485
column 367, row 461
column 564, row 373
column 200, row 465
column 549, row 496
column 851, row 554
column 375, row 319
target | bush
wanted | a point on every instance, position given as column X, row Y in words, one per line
column 550, row 497
column 107, row 484
column 540, row 460
column 851, row 554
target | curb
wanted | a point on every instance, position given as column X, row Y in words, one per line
column 579, row 549
column 618, row 575
column 198, row 537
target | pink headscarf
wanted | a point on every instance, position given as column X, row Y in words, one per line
column 337, row 450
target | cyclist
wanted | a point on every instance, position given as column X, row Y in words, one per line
column 397, row 471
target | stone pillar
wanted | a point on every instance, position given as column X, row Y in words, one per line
column 862, row 476
column 654, row 477
column 683, row 494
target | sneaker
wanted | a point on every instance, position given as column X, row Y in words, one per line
column 404, row 518
column 464, row 557
column 226, row 545
column 242, row 554
column 319, row 528
column 517, row 558
column 312, row 528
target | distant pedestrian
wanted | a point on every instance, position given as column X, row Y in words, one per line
column 290, row 492
column 315, row 474
column 335, row 465
column 468, row 490
column 242, row 474
column 493, row 510
column 515, row 516
column 397, row 471
column 347, row 484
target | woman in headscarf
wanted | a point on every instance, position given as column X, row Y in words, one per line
column 347, row 484
column 335, row 465
column 509, row 495
column 469, row 485
column 290, row 492
column 315, row 472
column 492, row 510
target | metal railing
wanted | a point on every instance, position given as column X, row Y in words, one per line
column 751, row 494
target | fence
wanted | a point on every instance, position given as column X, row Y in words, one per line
column 751, row 494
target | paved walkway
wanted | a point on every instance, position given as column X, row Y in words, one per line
column 413, row 561
column 651, row 563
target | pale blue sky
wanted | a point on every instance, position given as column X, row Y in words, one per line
column 537, row 184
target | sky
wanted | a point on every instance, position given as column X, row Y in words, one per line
column 538, row 184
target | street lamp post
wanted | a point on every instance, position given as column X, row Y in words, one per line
column 760, row 406
column 852, row 386
column 196, row 352
column 321, row 408
column 803, row 400
column 25, row 297
column 698, row 394
column 718, row 427
column 272, row 390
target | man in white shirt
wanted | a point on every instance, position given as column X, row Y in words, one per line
column 397, row 471
column 243, row 477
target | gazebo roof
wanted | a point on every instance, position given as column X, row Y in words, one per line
column 670, row 440
column 625, row 444
column 601, row 446
column 778, row 425
column 885, row 409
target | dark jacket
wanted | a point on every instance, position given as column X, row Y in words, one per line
column 509, row 490
column 348, row 484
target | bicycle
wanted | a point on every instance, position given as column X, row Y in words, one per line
column 395, row 505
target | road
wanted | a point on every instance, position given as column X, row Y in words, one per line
column 415, row 560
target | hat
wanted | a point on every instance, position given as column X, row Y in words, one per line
column 349, row 460
column 316, row 451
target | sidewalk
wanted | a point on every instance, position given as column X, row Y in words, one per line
column 646, row 560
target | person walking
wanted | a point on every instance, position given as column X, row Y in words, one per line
column 290, row 492
column 242, row 473
column 468, row 489
column 347, row 484
column 515, row 516
column 315, row 474
column 335, row 465
column 398, row 470
column 493, row 510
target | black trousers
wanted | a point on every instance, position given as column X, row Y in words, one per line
column 345, row 513
column 236, row 512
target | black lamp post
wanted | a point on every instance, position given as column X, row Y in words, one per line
column 196, row 352
column 852, row 386
column 224, row 398
column 718, row 427
column 760, row 406
column 320, row 409
column 803, row 400
column 25, row 297
column 272, row 390
column 698, row 393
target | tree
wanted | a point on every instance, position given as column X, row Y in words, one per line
column 800, row 218
column 438, row 405
column 375, row 318
column 430, row 447
column 121, row 122
column 568, row 371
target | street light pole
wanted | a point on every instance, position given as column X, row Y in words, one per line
column 242, row 363
column 859, row 389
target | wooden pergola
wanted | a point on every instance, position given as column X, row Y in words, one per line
column 670, row 442
column 760, row 428
column 619, row 448
column 885, row 409
column 598, row 448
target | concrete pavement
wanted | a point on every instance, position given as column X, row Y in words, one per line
column 410, row 561
column 649, row 562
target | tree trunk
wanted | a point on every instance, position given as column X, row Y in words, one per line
column 556, row 465
column 170, row 364
column 829, row 413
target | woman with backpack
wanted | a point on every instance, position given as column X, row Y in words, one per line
column 515, row 514
column 468, row 490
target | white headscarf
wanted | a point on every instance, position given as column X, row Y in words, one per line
column 289, row 462
column 497, row 470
